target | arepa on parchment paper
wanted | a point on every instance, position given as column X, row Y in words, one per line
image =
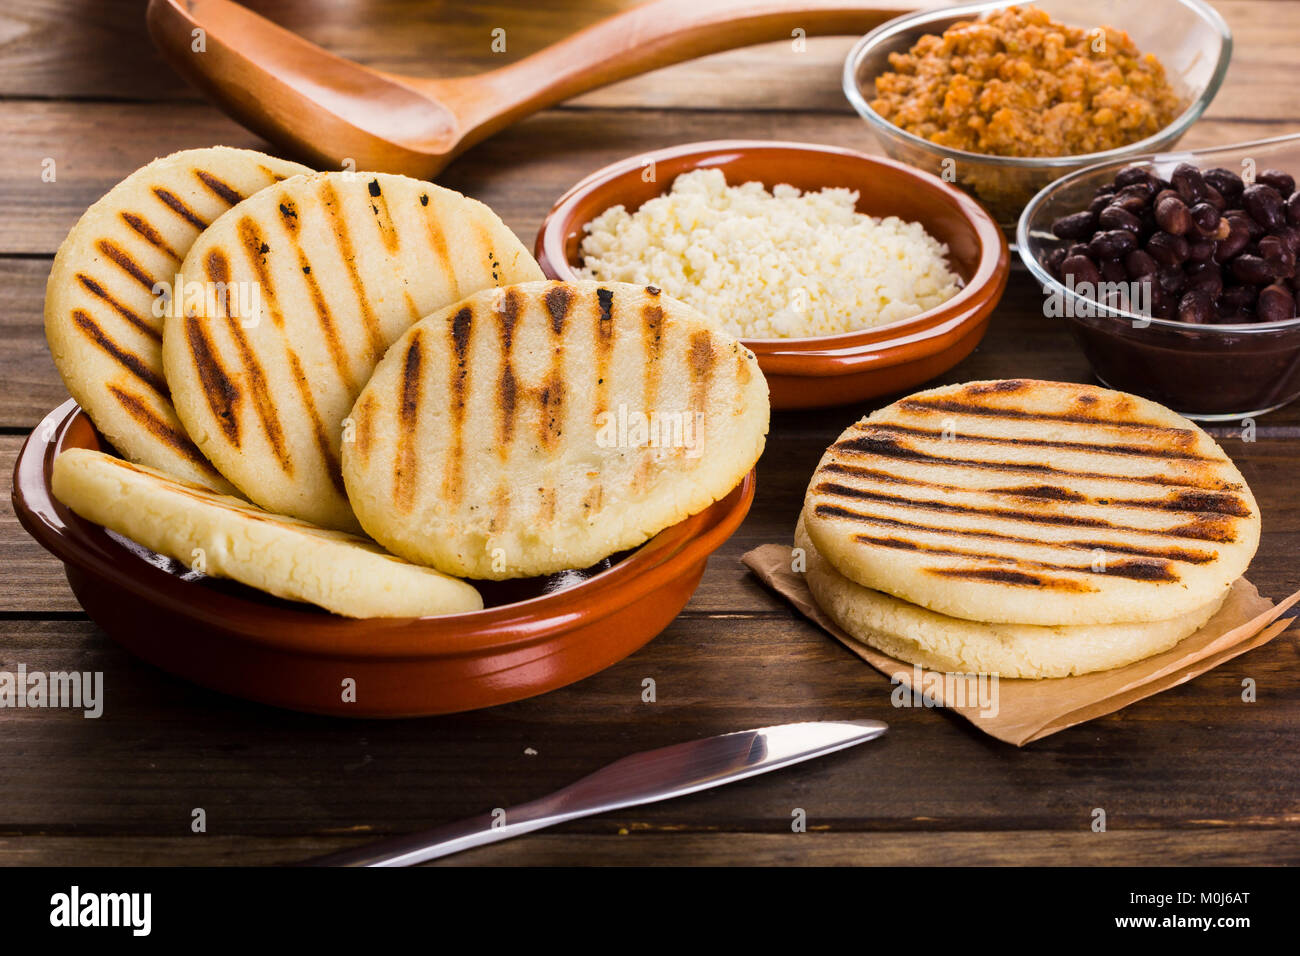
column 1032, row 502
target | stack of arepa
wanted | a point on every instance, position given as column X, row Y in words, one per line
column 356, row 389
column 1023, row 528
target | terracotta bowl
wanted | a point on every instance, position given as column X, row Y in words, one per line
column 535, row 635
column 830, row 369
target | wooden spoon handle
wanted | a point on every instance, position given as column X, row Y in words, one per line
column 651, row 36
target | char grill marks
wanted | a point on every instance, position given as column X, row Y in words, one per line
column 573, row 347
column 129, row 360
column 509, row 387
column 120, row 308
column 120, row 288
column 142, row 412
column 251, row 377
column 1094, row 496
column 462, row 327
column 347, row 252
column 408, row 413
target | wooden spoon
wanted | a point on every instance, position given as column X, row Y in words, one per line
column 335, row 112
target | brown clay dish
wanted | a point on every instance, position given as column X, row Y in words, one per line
column 823, row 370
column 534, row 635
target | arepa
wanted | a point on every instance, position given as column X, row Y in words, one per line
column 910, row 633
column 548, row 425
column 228, row 538
column 1036, row 503
column 103, row 307
column 337, row 266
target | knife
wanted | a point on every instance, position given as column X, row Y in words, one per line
column 646, row 777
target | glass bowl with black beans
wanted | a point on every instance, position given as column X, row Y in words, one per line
column 1177, row 274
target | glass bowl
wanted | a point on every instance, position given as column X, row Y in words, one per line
column 1207, row 372
column 1187, row 36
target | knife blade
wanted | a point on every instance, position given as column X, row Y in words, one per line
column 646, row 777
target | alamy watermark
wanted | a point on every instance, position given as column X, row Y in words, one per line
column 1087, row 300
column 632, row 428
column 76, row 690
column 81, row 909
column 936, row 689
column 239, row 300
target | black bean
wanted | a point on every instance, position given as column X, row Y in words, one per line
column 1187, row 179
column 1166, row 249
column 1284, row 183
column 1082, row 269
column 1171, row 278
column 1237, row 239
column 1264, row 203
column 1132, row 174
column 1112, row 270
column 1225, row 181
column 1276, row 303
column 1115, row 217
column 1215, row 198
column 1200, row 250
column 1081, row 225
column 1143, row 190
column 1207, row 279
column 1173, row 216
column 1291, row 236
column 1099, row 202
column 1053, row 259
column 1205, row 218
column 1146, row 225
column 1076, row 249
column 1275, row 251
column 1112, row 244
column 1237, row 298
column 1253, row 229
column 1139, row 263
column 1251, row 270
column 1133, row 202
column 1196, row 308
column 1293, row 209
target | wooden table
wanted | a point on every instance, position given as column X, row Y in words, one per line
column 1193, row 775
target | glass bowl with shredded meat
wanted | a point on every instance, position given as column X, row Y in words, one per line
column 1001, row 99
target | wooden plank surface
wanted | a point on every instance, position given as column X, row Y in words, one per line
column 1194, row 775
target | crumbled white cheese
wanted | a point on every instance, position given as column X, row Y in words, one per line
column 771, row 265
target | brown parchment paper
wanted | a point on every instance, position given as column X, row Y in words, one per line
column 1029, row 710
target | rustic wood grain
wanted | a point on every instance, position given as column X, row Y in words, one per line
column 520, row 173
column 1199, row 847
column 108, row 56
column 1191, row 776
column 1194, row 756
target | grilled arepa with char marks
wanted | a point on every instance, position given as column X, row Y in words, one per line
column 1035, row 503
column 548, row 425
column 911, row 633
column 341, row 264
column 291, row 559
column 100, row 302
